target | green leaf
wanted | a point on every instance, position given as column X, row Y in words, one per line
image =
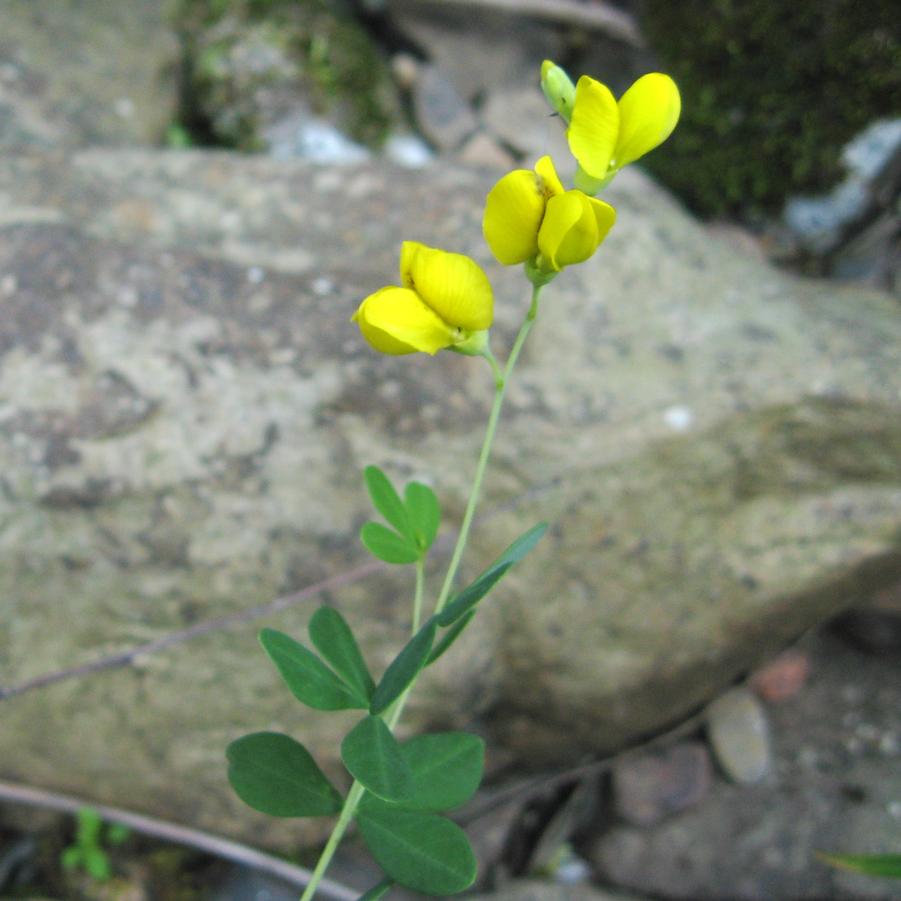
column 473, row 593
column 378, row 891
column 888, row 865
column 334, row 639
column 423, row 851
column 519, row 548
column 403, row 669
column 96, row 864
column 277, row 775
column 387, row 501
column 89, row 823
column 70, row 859
column 450, row 636
column 385, row 544
column 309, row 679
column 374, row 758
column 117, row 833
column 446, row 767
column 424, row 512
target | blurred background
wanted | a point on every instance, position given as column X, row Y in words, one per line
column 194, row 195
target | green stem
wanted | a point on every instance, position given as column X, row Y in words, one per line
column 344, row 820
column 417, row 597
column 356, row 790
column 493, row 418
column 501, row 381
column 495, row 368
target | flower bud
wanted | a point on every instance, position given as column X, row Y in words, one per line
column 558, row 89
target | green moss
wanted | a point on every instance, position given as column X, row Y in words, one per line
column 771, row 93
column 237, row 51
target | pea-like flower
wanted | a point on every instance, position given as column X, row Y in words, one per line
column 604, row 135
column 445, row 302
column 530, row 218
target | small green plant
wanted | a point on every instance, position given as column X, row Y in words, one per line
column 178, row 137
column 885, row 865
column 400, row 792
column 87, row 853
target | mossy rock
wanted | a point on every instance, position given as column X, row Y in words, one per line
column 771, row 93
column 247, row 61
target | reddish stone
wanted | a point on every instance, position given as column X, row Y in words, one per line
column 781, row 678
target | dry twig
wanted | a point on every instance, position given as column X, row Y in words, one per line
column 182, row 835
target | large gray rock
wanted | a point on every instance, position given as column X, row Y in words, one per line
column 75, row 72
column 186, row 411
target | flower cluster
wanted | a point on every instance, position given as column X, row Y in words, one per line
column 445, row 299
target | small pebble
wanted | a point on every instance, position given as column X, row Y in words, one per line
column 405, row 69
column 678, row 418
column 408, row 151
column 650, row 787
column 482, row 151
column 573, row 870
column 782, row 678
column 739, row 735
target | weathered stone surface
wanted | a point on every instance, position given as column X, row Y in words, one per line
column 186, row 410
column 76, row 72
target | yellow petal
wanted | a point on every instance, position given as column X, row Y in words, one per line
column 604, row 215
column 395, row 321
column 513, row 211
column 648, row 113
column 570, row 232
column 594, row 126
column 549, row 180
column 452, row 285
column 561, row 217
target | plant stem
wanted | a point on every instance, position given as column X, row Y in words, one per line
column 493, row 418
column 417, row 597
column 501, row 381
column 344, row 820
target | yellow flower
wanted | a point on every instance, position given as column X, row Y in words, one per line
column 445, row 302
column 605, row 135
column 529, row 217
